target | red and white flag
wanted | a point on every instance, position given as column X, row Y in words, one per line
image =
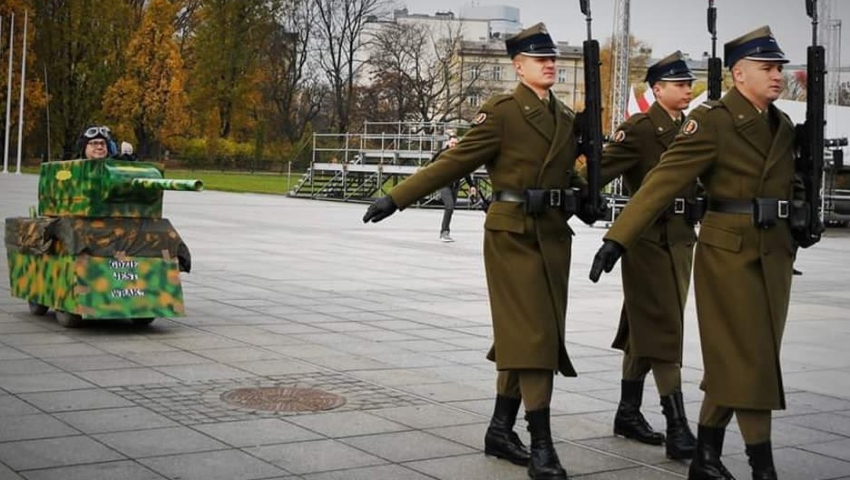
column 639, row 104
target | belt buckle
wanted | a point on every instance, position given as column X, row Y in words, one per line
column 555, row 199
column 679, row 206
column 782, row 208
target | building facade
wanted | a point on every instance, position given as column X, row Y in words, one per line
column 489, row 64
column 470, row 49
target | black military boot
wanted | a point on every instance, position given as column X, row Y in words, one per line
column 680, row 441
column 706, row 463
column 544, row 463
column 761, row 460
column 629, row 422
column 501, row 441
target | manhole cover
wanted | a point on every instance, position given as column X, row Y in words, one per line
column 283, row 399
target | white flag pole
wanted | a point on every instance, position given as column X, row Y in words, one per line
column 9, row 95
column 5, row 164
column 21, row 102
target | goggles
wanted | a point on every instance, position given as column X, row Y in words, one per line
column 100, row 131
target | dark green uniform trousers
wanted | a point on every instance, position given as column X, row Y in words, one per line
column 533, row 386
column 754, row 424
column 668, row 375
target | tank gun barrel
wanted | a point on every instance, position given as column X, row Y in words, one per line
column 193, row 185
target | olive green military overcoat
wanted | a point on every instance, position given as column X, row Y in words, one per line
column 656, row 270
column 742, row 274
column 523, row 145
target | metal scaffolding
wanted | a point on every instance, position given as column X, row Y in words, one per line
column 621, row 49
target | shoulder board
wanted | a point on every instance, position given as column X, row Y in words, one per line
column 497, row 99
column 709, row 104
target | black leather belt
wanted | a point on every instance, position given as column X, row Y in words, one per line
column 765, row 212
column 748, row 206
column 538, row 200
column 692, row 209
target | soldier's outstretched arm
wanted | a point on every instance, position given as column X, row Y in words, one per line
column 605, row 259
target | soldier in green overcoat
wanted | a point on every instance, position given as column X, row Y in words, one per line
column 656, row 270
column 742, row 150
column 526, row 141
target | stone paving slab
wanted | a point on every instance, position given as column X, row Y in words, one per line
column 288, row 292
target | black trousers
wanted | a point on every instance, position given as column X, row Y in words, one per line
column 448, row 195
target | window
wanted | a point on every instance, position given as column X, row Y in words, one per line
column 562, row 75
column 474, row 72
column 496, row 73
column 473, row 99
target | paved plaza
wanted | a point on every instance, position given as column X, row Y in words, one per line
column 290, row 292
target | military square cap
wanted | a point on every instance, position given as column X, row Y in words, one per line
column 671, row 68
column 758, row 45
column 534, row 41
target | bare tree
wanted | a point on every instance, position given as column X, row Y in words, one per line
column 422, row 71
column 290, row 87
column 340, row 24
column 795, row 85
column 185, row 24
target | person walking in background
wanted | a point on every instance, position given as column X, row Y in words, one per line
column 448, row 194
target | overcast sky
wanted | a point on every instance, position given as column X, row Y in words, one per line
column 669, row 25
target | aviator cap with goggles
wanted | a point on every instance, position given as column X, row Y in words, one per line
column 97, row 132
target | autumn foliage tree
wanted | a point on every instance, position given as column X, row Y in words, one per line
column 34, row 94
column 638, row 57
column 79, row 44
column 149, row 102
column 226, row 49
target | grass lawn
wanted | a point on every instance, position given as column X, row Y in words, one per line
column 231, row 181
column 239, row 181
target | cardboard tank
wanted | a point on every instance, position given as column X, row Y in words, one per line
column 99, row 247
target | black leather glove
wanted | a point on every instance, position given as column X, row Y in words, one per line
column 605, row 258
column 380, row 209
column 587, row 214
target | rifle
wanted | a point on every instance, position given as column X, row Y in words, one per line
column 590, row 125
column 715, row 75
column 811, row 136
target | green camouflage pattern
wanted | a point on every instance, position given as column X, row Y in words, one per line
column 100, row 248
column 98, row 287
column 167, row 184
column 105, row 188
column 99, row 237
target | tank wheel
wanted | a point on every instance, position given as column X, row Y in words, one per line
column 37, row 308
column 142, row 321
column 68, row 320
